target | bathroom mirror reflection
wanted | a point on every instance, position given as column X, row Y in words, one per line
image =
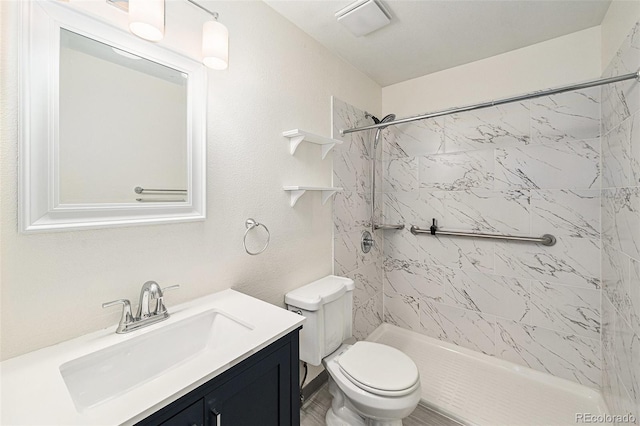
column 122, row 125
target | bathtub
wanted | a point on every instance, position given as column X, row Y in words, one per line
column 476, row 389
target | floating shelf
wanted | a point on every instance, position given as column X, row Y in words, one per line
column 298, row 191
column 297, row 136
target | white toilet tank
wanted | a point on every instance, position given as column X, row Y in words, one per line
column 327, row 304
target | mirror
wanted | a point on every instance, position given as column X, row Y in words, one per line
column 114, row 126
column 109, row 147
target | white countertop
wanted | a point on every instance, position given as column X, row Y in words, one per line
column 34, row 392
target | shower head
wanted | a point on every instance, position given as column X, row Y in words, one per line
column 386, row 119
column 376, row 120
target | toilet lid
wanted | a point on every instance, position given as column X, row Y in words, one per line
column 378, row 366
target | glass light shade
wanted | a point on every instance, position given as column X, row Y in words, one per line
column 146, row 19
column 215, row 45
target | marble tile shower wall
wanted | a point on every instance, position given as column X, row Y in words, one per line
column 351, row 216
column 526, row 168
column 621, row 233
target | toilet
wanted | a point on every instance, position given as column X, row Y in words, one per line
column 371, row 384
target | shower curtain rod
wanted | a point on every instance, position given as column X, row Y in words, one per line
column 532, row 95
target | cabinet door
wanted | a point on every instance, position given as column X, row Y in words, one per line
column 193, row 415
column 258, row 396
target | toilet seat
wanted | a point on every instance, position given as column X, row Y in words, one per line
column 379, row 369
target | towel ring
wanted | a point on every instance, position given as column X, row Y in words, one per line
column 250, row 224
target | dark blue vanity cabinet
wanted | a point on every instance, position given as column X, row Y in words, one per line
column 262, row 390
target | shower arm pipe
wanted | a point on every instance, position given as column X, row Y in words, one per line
column 532, row 95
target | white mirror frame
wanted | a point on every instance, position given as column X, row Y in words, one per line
column 39, row 210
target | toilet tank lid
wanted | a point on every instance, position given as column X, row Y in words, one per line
column 313, row 295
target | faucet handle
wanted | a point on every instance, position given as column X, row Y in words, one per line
column 126, row 318
column 160, row 308
column 115, row 302
column 171, row 287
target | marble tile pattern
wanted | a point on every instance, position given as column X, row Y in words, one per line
column 571, row 213
column 634, row 149
column 571, row 164
column 616, row 156
column 351, row 216
column 505, row 125
column 402, row 310
column 487, row 293
column 527, row 168
column 413, row 140
column 566, row 117
column 564, row 355
column 457, row 171
column 572, row 310
column 621, row 100
column 460, row 326
column 620, row 212
column 571, row 261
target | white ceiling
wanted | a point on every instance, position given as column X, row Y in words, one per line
column 426, row 36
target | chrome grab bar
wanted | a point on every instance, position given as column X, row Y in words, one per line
column 160, row 200
column 545, row 240
column 144, row 191
column 383, row 227
column 141, row 190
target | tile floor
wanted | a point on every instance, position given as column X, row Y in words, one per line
column 313, row 411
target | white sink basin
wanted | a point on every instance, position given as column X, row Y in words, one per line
column 109, row 372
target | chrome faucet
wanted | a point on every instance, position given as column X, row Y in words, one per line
column 145, row 316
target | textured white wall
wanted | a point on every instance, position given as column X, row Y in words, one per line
column 563, row 60
column 278, row 79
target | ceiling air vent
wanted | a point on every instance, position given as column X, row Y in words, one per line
column 363, row 17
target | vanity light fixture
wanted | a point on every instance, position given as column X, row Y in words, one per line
column 146, row 19
column 215, row 45
column 215, row 41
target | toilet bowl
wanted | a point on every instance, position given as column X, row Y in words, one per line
column 377, row 385
column 371, row 384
